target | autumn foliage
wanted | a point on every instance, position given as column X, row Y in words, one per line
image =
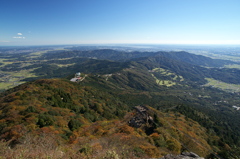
column 60, row 119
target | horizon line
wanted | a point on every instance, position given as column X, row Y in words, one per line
column 106, row 44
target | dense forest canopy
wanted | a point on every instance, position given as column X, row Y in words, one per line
column 171, row 84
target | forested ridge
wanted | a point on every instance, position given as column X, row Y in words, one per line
column 73, row 114
column 87, row 116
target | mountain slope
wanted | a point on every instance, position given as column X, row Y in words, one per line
column 95, row 122
column 101, row 54
column 110, row 89
column 61, row 104
column 181, row 63
column 115, row 55
column 195, row 59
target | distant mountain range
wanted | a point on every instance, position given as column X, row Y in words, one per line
column 194, row 68
column 97, row 110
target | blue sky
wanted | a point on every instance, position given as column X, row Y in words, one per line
column 48, row 22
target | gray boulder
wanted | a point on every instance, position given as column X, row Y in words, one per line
column 184, row 155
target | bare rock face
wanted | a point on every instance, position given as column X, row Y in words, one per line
column 184, row 155
column 141, row 117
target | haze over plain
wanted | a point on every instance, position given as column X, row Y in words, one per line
column 45, row 22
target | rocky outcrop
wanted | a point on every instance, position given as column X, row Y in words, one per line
column 141, row 117
column 184, row 155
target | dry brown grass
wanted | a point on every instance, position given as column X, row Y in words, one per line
column 50, row 146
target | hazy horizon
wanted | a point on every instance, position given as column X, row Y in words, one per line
column 124, row 45
column 155, row 22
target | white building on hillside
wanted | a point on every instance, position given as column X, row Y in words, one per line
column 237, row 108
column 76, row 78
